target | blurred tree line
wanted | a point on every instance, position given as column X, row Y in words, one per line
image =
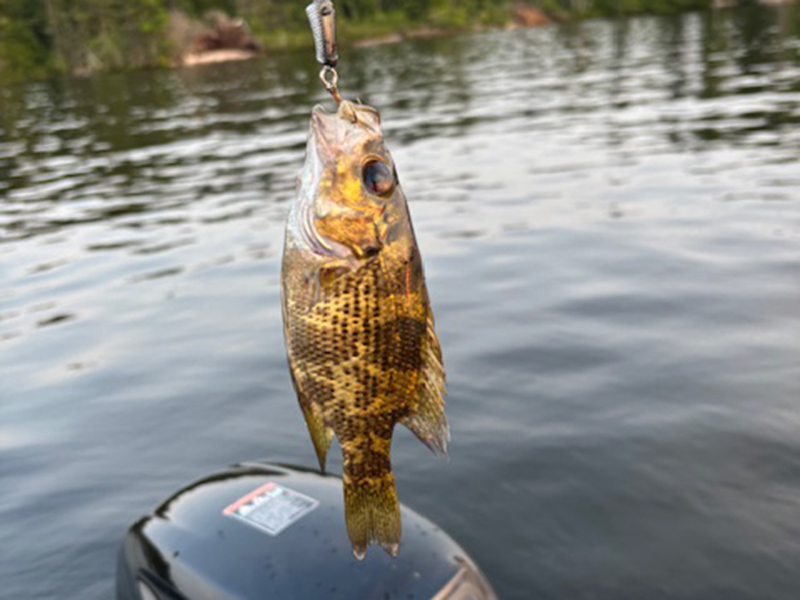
column 80, row 36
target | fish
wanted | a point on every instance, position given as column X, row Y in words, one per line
column 359, row 330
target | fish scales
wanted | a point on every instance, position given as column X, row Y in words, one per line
column 359, row 330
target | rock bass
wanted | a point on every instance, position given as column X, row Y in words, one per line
column 358, row 324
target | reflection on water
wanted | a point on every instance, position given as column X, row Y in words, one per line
column 609, row 214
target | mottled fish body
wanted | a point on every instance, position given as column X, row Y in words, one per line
column 358, row 324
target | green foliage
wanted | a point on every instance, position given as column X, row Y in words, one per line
column 21, row 53
column 91, row 35
column 198, row 8
column 625, row 7
column 612, row 7
column 23, row 40
column 82, row 36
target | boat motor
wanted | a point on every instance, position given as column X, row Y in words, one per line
column 261, row 531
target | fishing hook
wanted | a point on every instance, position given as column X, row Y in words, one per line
column 322, row 18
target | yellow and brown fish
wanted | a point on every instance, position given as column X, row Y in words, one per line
column 358, row 324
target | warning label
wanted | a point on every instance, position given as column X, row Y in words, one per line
column 271, row 508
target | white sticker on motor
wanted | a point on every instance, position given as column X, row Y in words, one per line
column 271, row 508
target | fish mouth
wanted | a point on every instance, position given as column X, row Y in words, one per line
column 322, row 120
column 322, row 131
column 319, row 118
column 331, row 131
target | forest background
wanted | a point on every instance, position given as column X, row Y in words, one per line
column 42, row 37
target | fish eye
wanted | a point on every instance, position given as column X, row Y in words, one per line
column 378, row 178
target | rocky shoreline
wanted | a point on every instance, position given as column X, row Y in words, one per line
column 225, row 39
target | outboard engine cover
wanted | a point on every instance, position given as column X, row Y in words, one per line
column 259, row 531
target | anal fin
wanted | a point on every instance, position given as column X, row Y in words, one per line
column 321, row 435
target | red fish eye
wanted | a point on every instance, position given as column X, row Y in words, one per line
column 378, row 177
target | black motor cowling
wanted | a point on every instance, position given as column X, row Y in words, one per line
column 260, row 531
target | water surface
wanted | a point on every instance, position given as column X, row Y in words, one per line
column 609, row 215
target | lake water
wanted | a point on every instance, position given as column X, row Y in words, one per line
column 609, row 215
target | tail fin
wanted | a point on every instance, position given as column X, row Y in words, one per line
column 372, row 513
